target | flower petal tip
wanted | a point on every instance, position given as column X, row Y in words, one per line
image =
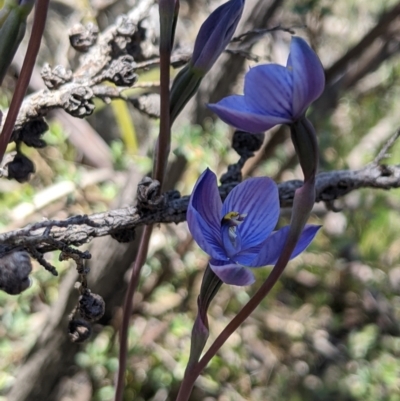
column 232, row 274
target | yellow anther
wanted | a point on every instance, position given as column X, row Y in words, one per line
column 231, row 216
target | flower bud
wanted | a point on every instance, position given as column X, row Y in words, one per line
column 304, row 140
column 215, row 34
column 209, row 288
column 169, row 10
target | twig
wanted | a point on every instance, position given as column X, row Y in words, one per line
column 160, row 164
column 383, row 152
column 78, row 230
column 255, row 34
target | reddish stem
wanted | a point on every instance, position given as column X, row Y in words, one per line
column 303, row 201
column 39, row 22
column 128, row 307
column 161, row 158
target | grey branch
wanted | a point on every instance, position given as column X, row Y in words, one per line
column 108, row 59
column 78, row 230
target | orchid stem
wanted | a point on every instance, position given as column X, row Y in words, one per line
column 164, row 139
column 161, row 158
column 193, row 373
column 39, row 23
column 244, row 313
column 128, row 307
column 303, row 200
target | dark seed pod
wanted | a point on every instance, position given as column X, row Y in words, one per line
column 124, row 236
column 122, row 71
column 31, row 133
column 91, row 306
column 82, row 38
column 79, row 330
column 20, row 168
column 15, row 268
column 78, row 102
column 245, row 142
column 148, row 194
column 54, row 78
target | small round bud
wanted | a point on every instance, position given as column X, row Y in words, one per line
column 79, row 330
column 91, row 306
column 15, row 268
column 20, row 168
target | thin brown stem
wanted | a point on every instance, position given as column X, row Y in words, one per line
column 128, row 307
column 305, row 143
column 192, row 374
column 160, row 162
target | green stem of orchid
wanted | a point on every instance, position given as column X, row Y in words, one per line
column 163, row 146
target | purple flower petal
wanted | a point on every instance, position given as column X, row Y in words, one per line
column 232, row 273
column 274, row 94
column 270, row 250
column 216, row 33
column 203, row 215
column 234, row 111
column 268, row 91
column 308, row 75
column 259, row 199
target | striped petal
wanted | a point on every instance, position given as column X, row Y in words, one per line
column 216, row 33
column 258, row 199
column 269, row 252
column 268, row 90
column 203, row 215
column 232, row 273
column 235, row 111
column 308, row 75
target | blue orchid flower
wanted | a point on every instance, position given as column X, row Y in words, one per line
column 238, row 233
column 274, row 94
